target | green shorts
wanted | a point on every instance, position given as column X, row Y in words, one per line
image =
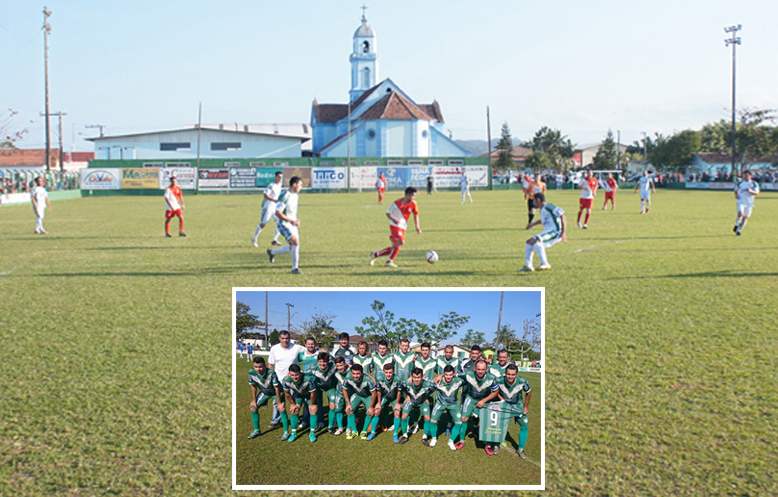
column 453, row 410
column 468, row 406
column 263, row 399
column 355, row 400
column 516, row 411
column 424, row 407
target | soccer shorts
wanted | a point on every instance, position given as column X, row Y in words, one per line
column 386, row 401
column 300, row 399
column 610, row 195
column 548, row 238
column 645, row 196
column 288, row 230
column 263, row 399
column 397, row 236
column 268, row 212
column 585, row 203
column 468, row 406
column 745, row 209
column 424, row 408
column 516, row 411
column 452, row 409
column 171, row 214
column 355, row 400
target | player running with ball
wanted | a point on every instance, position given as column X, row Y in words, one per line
column 398, row 214
column 554, row 230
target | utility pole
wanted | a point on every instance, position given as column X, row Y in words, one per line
column 267, row 340
column 46, row 31
column 735, row 40
column 48, row 153
column 499, row 316
column 618, row 149
column 101, row 126
column 288, row 317
column 489, row 146
column 199, row 130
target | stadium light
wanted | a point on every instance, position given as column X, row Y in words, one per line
column 735, row 40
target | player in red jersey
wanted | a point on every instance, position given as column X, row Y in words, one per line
column 398, row 214
column 611, row 185
column 380, row 185
column 588, row 187
column 175, row 207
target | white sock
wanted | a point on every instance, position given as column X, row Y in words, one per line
column 281, row 250
column 743, row 222
column 295, row 255
column 642, row 205
column 259, row 230
column 528, row 255
column 541, row 250
column 278, row 233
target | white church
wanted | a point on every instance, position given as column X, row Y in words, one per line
column 380, row 120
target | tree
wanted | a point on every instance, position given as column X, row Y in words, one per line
column 471, row 338
column 538, row 161
column 505, row 148
column 644, row 149
column 606, row 156
column 244, row 320
column 9, row 138
column 529, row 340
column 320, row 327
column 382, row 326
column 754, row 140
column 676, row 152
column 504, row 338
column 273, row 338
column 557, row 148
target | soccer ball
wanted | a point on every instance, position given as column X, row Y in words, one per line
column 432, row 257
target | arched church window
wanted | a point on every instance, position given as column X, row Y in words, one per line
column 366, row 77
column 365, row 47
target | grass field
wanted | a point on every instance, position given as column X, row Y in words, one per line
column 660, row 335
column 264, row 460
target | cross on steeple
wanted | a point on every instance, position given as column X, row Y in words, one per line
column 364, row 8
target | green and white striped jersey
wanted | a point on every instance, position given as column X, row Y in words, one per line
column 363, row 388
column 551, row 217
column 427, row 367
column 417, row 395
column 300, row 390
column 347, row 353
column 308, row 361
column 498, row 371
column 366, row 362
column 325, row 380
column 378, row 362
column 342, row 377
column 478, row 389
column 403, row 363
column 494, row 417
column 447, row 392
column 465, row 367
column 512, row 394
column 388, row 388
column 442, row 363
column 266, row 383
column 287, row 204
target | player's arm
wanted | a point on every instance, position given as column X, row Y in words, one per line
column 533, row 224
column 392, row 219
column 180, row 198
column 279, row 398
column 653, row 186
column 254, row 392
column 293, row 408
column 563, row 231
column 268, row 197
column 526, row 402
column 48, row 204
column 349, row 410
column 284, row 217
column 372, row 408
column 488, row 398
column 416, row 221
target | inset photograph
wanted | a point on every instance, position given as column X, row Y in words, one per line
column 388, row 389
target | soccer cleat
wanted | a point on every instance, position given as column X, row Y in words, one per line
column 272, row 425
column 646, row 211
column 424, row 437
column 371, row 436
column 182, row 234
column 292, row 437
column 734, row 230
column 254, row 242
column 425, row 442
column 488, row 450
column 433, row 442
column 404, row 439
column 296, row 271
column 495, row 450
column 350, row 434
column 396, row 439
column 505, row 443
column 276, row 242
column 739, row 234
column 460, row 445
column 579, row 224
column 544, row 267
column 603, row 207
column 415, row 429
column 271, row 256
column 363, row 435
column 372, row 258
column 254, row 434
column 452, row 445
column 312, row 436
column 526, row 269
column 586, row 227
column 337, row 432
column 285, row 436
column 44, row 232
column 331, row 430
column 168, row 235
column 390, row 263
column 348, row 431
column 522, row 454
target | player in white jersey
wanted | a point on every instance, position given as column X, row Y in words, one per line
column 174, row 202
column 554, row 230
column 645, row 184
column 464, row 185
column 745, row 192
column 40, row 201
column 286, row 219
column 272, row 192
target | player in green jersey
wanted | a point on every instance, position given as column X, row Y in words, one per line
column 446, row 392
column 503, row 361
column 264, row 387
column 403, row 360
column 344, row 349
column 382, row 357
column 308, row 359
column 360, row 389
column 512, row 388
column 468, row 365
column 427, row 366
column 364, row 358
column 342, row 371
column 327, row 386
column 298, row 392
column 416, row 391
column 480, row 389
column 448, row 358
column 388, row 397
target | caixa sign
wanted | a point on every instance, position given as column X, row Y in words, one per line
column 329, row 178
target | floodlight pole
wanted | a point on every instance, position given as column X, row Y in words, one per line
column 735, row 40
column 46, row 30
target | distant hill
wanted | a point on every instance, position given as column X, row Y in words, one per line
column 478, row 147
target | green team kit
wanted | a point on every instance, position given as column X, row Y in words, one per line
column 360, row 392
column 403, row 363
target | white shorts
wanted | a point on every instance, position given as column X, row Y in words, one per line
column 267, row 215
column 645, row 196
column 39, row 213
column 288, row 230
column 745, row 209
column 548, row 238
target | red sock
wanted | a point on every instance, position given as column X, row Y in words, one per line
column 383, row 252
column 395, row 251
column 579, row 216
column 587, row 217
column 167, row 227
column 380, row 197
column 180, row 225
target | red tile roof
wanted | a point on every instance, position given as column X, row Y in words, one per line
column 14, row 157
column 329, row 113
column 433, row 110
column 394, row 106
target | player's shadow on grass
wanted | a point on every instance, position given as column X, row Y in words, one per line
column 720, row 274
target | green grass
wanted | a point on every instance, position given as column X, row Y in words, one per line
column 264, row 460
column 660, row 335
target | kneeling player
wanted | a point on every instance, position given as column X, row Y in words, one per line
column 298, row 392
column 554, row 230
column 446, row 400
column 264, row 387
column 388, row 397
column 360, row 389
column 417, row 391
column 511, row 387
column 481, row 388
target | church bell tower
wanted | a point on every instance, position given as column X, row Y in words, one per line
column 364, row 60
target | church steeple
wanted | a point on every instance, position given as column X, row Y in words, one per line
column 364, row 59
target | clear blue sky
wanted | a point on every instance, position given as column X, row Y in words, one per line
column 351, row 307
column 582, row 67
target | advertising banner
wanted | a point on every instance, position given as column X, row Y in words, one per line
column 304, row 173
column 447, row 176
column 364, row 177
column 417, row 176
column 138, row 178
column 186, row 177
column 395, row 177
column 478, row 176
column 213, row 179
column 331, row 177
column 243, row 178
column 265, row 176
column 101, row 179
column 714, row 185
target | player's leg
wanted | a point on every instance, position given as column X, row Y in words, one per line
column 523, row 423
column 397, row 244
column 406, row 411
column 588, row 214
column 284, row 228
column 180, row 216
column 275, row 237
column 314, row 411
column 746, row 213
column 528, row 249
column 530, row 210
column 294, row 245
column 168, row 217
column 469, row 196
column 255, row 417
column 424, row 415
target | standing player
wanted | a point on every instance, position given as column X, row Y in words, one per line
column 240, row 349
column 272, row 192
column 610, row 185
column 446, row 400
column 398, row 214
column 426, row 363
column 360, row 389
column 745, row 191
column 447, row 359
column 380, row 185
column 469, row 364
column 511, row 387
column 388, row 395
column 645, row 184
column 40, row 201
column 503, row 361
column 298, row 392
column 343, row 349
column 588, row 187
column 481, row 388
column 286, row 219
column 559, row 179
column 308, row 360
column 554, row 230
column 526, row 180
column 417, row 390
column 537, row 186
column 464, row 185
column 174, row 200
column 264, row 387
column 403, row 360
column 382, row 357
column 364, row 358
column 249, row 352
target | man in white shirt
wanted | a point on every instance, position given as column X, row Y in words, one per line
column 464, row 185
column 272, row 192
column 287, row 222
column 645, row 184
column 745, row 192
column 40, row 201
column 282, row 355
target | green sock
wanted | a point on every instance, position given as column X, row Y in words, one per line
column 330, row 418
column 455, row 431
column 255, row 420
column 295, row 421
column 405, row 425
column 523, row 436
column 352, row 422
column 314, row 421
column 375, row 424
column 285, row 422
column 339, row 418
column 433, row 429
column 368, row 419
column 396, row 426
column 427, row 426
